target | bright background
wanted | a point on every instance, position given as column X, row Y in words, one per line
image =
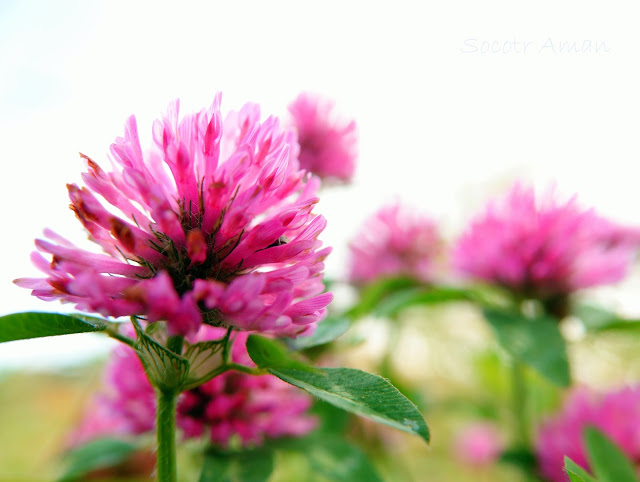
column 440, row 128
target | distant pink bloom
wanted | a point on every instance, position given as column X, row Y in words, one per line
column 213, row 224
column 395, row 241
column 544, row 248
column 328, row 144
column 101, row 421
column 233, row 404
column 616, row 414
column 478, row 444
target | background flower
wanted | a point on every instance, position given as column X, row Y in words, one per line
column 395, row 241
column 231, row 406
column 616, row 414
column 544, row 247
column 478, row 444
column 328, row 144
column 213, row 224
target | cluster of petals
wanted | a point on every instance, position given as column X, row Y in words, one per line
column 544, row 247
column 213, row 224
column 478, row 444
column 328, row 143
column 231, row 408
column 395, row 241
column 616, row 414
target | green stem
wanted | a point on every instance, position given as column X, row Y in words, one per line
column 520, row 406
column 124, row 339
column 386, row 364
column 166, row 434
column 228, row 344
column 244, row 369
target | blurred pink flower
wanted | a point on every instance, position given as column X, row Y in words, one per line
column 101, row 421
column 213, row 225
column 544, row 248
column 478, row 444
column 328, row 144
column 395, row 241
column 616, row 414
column 232, row 405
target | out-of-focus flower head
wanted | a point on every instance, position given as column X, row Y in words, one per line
column 478, row 444
column 213, row 224
column 328, row 143
column 544, row 247
column 616, row 414
column 395, row 241
column 231, row 407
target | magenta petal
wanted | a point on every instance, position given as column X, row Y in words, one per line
column 310, row 305
column 543, row 245
column 395, row 241
column 213, row 222
column 328, row 144
column 615, row 413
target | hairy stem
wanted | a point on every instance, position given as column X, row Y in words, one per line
column 166, row 435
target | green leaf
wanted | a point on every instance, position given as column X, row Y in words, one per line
column 326, row 331
column 573, row 477
column 578, row 472
column 330, row 456
column 373, row 293
column 523, row 458
column 249, row 466
column 204, row 358
column 269, row 353
column 95, row 455
column 536, row 342
column 401, row 300
column 361, row 393
column 631, row 327
column 165, row 369
column 340, row 461
column 597, row 319
column 593, row 317
column 608, row 462
column 333, row 420
column 22, row 326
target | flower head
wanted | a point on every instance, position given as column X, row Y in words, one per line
column 478, row 444
column 395, row 241
column 616, row 414
column 213, row 224
column 231, row 406
column 544, row 248
column 328, row 144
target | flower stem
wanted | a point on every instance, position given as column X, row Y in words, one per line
column 393, row 337
column 124, row 339
column 244, row 369
column 166, row 434
column 520, row 406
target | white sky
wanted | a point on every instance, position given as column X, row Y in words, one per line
column 440, row 126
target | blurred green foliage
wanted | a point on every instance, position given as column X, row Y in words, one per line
column 445, row 356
